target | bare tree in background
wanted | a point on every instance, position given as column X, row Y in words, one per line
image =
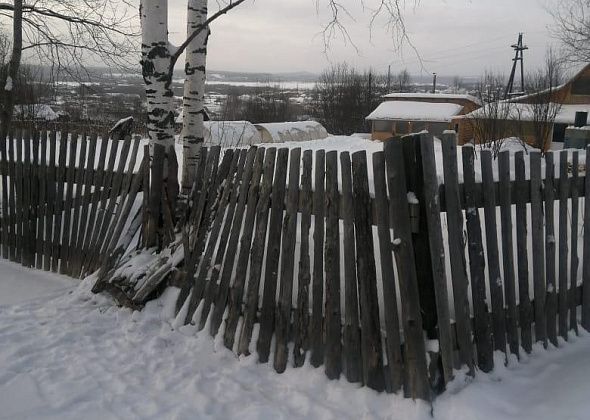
column 67, row 35
column 544, row 106
column 572, row 28
column 402, row 81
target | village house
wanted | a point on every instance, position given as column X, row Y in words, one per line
column 404, row 113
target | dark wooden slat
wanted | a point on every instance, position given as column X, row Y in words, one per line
column 563, row 245
column 417, row 385
column 485, row 357
column 49, row 215
column 59, row 200
column 574, row 262
column 317, row 293
column 301, row 320
column 257, row 252
column 551, row 299
column 34, row 180
column 367, row 279
column 237, row 289
column 433, row 216
column 395, row 364
column 42, row 189
column 538, row 249
column 6, row 216
column 285, row 302
column 11, row 196
column 525, row 315
column 273, row 251
column 493, row 259
column 586, row 252
column 71, row 202
column 239, row 200
column 19, row 196
column 28, row 243
column 457, row 250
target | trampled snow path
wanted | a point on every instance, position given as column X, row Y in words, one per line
column 73, row 355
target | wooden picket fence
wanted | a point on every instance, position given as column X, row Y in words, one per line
column 64, row 203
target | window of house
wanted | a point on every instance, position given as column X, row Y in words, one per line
column 384, row 126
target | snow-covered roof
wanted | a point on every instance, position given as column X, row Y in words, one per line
column 415, row 111
column 36, row 111
column 292, row 131
column 231, row 133
column 434, row 96
column 524, row 112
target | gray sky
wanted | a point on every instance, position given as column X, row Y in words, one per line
column 463, row 37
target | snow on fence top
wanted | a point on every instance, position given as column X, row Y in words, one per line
column 445, row 96
column 291, row 131
column 415, row 111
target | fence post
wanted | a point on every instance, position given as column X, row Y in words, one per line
column 420, row 236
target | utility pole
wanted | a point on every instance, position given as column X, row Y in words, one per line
column 518, row 56
column 388, row 78
column 433, row 82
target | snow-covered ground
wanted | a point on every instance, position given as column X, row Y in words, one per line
column 68, row 354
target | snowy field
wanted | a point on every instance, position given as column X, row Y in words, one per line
column 68, row 354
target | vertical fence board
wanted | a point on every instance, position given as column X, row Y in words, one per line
column 70, row 203
column 485, row 358
column 457, row 250
column 538, row 250
column 574, row 262
column 551, row 299
column 19, row 195
column 301, row 320
column 366, row 275
column 59, row 201
column 586, row 251
column 6, row 215
column 42, row 188
column 394, row 373
column 28, row 242
column 50, row 193
column 284, row 306
column 563, row 244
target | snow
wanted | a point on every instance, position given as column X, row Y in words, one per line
column 524, row 112
column 8, row 85
column 415, row 111
column 36, row 111
column 433, row 96
column 69, row 354
column 291, row 131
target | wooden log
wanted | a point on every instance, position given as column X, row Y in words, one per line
column 237, row 289
column 301, row 318
column 563, row 245
column 285, row 302
column 244, row 178
column 457, row 250
column 257, row 252
column 273, row 251
column 538, row 250
column 317, row 289
column 508, row 251
column 69, row 200
column 483, row 341
column 586, row 252
column 437, row 252
column 393, row 345
column 415, row 352
column 367, row 278
column 574, row 262
column 551, row 299
column 524, row 306
column 50, row 194
column 493, row 259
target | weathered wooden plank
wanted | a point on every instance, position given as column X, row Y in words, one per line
column 285, row 302
column 563, row 245
column 369, row 307
column 317, row 289
column 301, row 318
column 237, row 289
column 204, row 284
column 437, row 252
column 231, row 234
column 524, row 306
column 257, row 252
column 551, row 300
column 538, row 250
column 26, row 201
column 417, row 385
column 157, row 179
column 485, row 357
column 586, row 252
column 6, row 216
column 60, row 180
column 574, row 262
column 508, row 251
column 19, row 195
column 42, row 189
column 457, row 250
column 34, row 180
column 11, row 196
column 50, row 212
column 395, row 363
column 70, row 200
column 273, row 251
column 493, row 259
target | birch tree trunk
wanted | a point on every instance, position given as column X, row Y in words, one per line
column 194, row 91
column 13, row 66
column 155, row 63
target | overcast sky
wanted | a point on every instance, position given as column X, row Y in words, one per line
column 453, row 37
